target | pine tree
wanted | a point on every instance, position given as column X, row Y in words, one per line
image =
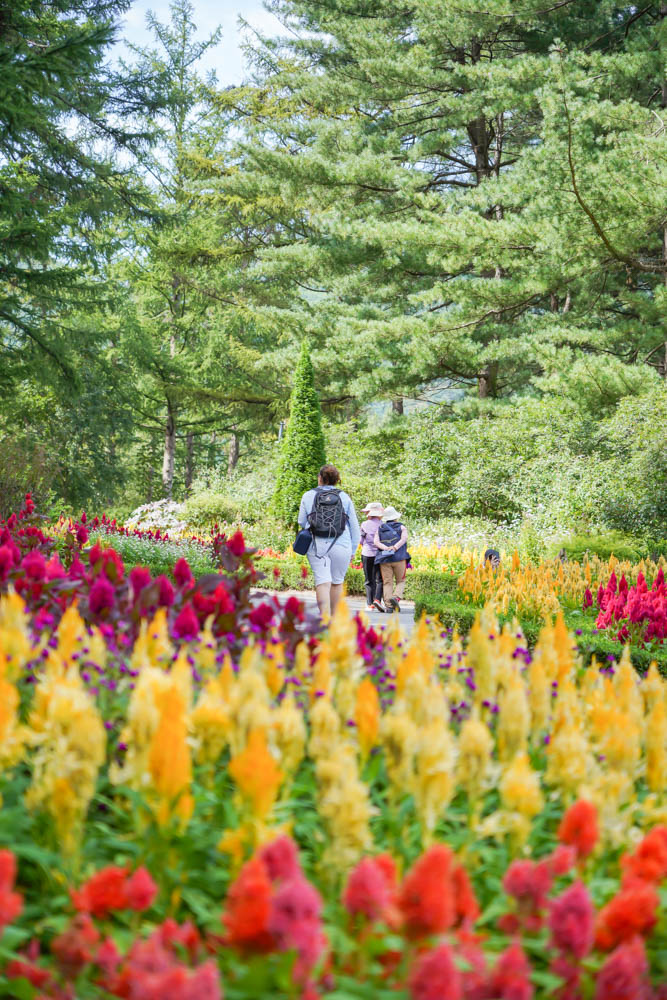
column 303, row 450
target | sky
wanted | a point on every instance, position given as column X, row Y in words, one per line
column 227, row 58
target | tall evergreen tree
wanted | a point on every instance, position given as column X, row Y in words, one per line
column 481, row 189
column 303, row 450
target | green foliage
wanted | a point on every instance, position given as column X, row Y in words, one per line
column 303, row 451
column 608, row 544
column 205, row 509
column 25, row 467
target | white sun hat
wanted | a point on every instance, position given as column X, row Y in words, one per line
column 375, row 509
column 391, row 514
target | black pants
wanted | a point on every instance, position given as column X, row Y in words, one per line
column 372, row 579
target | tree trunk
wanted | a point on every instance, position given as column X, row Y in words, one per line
column 487, row 381
column 397, row 406
column 233, row 454
column 169, row 450
column 189, row 459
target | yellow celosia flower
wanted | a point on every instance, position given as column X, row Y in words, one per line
column 324, row 728
column 322, row 682
column 153, row 645
column 250, row 705
column 288, row 732
column 481, row 660
column 399, row 736
column 68, row 735
column 434, row 775
column 210, row 721
column 514, row 719
column 142, row 719
column 367, row 716
column 570, row 762
column 257, row 775
column 656, row 747
column 653, row 687
column 539, row 698
column 628, row 695
column 344, row 808
column 12, row 734
column 15, row 642
column 475, row 747
column 620, row 744
column 169, row 761
column 521, row 795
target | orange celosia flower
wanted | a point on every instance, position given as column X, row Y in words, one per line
column 579, row 828
column 169, row 759
column 248, row 908
column 632, row 911
column 367, row 716
column 426, row 899
column 257, row 775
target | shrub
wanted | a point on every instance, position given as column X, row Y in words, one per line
column 608, row 544
column 207, row 508
column 303, row 451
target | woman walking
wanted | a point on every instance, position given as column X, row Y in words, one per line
column 332, row 519
column 372, row 574
column 391, row 543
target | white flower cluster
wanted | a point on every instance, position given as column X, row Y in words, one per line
column 165, row 515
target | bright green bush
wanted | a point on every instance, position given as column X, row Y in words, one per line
column 607, row 544
column 202, row 510
column 303, row 450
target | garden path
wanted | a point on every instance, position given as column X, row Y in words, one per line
column 406, row 615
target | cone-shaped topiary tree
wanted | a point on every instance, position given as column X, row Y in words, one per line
column 303, row 448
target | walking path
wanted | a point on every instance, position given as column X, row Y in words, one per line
column 406, row 615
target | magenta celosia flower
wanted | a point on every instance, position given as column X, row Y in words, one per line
column 34, row 565
column 435, row 976
column 182, row 572
column 55, row 569
column 94, row 554
column 165, row 592
column 186, row 625
column 510, row 979
column 281, row 859
column 623, row 975
column 6, row 561
column 262, row 615
column 572, row 921
column 140, row 577
column 236, row 544
column 101, row 596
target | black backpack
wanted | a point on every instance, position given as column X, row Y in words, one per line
column 327, row 519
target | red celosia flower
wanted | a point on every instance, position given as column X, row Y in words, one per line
column 649, row 861
column 177, row 937
column 140, row 890
column 562, row 860
column 94, row 554
column 467, row 908
column 510, row 979
column 370, row 893
column 74, row 948
column 281, row 859
column 81, row 535
column 262, row 615
column 236, row 544
column 623, row 975
column 101, row 596
column 182, row 572
column 304, row 572
column 186, row 624
column 572, row 921
column 294, row 608
column 103, row 892
column 435, row 976
column 246, row 915
column 11, row 903
column 107, row 957
column 579, row 828
column 632, row 911
column 426, row 898
column 475, row 976
column 140, row 577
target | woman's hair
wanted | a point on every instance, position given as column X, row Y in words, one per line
column 329, row 475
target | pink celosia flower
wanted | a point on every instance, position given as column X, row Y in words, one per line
column 186, row 624
column 140, row 890
column 182, row 572
column 140, row 577
column 34, row 565
column 102, row 596
column 435, row 976
column 369, row 893
column 236, row 544
column 281, row 859
column 295, row 923
column 572, row 921
column 165, row 591
column 510, row 979
column 623, row 975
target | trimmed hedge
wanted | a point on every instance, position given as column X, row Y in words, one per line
column 420, row 584
column 451, row 611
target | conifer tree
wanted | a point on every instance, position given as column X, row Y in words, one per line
column 303, row 448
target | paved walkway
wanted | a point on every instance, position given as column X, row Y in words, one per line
column 377, row 619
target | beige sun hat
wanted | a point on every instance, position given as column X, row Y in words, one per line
column 391, row 514
column 375, row 509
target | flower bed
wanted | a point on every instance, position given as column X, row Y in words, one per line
column 203, row 795
column 637, row 613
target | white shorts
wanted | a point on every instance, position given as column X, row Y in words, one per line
column 331, row 567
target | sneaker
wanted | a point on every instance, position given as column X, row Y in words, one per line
column 370, row 607
column 393, row 604
column 378, row 606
